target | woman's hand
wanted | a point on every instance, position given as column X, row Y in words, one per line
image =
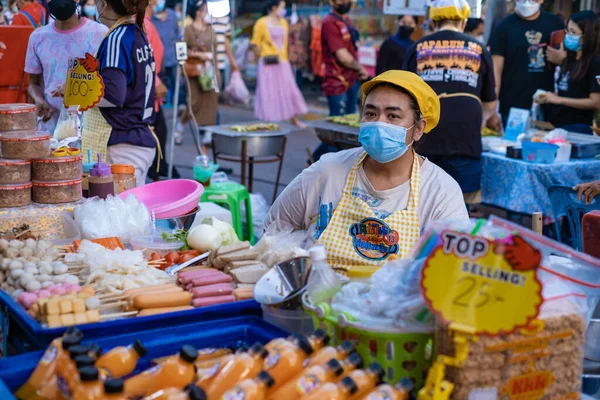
column 550, row 98
column 494, row 123
column 587, row 191
column 160, row 89
column 556, row 56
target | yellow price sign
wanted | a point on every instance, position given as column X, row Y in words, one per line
column 491, row 287
column 84, row 86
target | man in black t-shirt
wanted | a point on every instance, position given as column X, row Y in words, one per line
column 518, row 47
column 459, row 69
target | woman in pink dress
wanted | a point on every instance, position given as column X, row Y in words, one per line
column 277, row 95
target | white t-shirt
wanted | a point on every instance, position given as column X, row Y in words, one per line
column 48, row 54
column 324, row 182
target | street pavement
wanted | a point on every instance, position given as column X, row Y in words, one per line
column 264, row 174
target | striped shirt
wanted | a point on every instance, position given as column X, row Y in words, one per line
column 222, row 29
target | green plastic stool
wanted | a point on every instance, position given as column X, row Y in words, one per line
column 232, row 194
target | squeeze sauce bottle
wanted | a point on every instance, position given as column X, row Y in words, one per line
column 315, row 376
column 91, row 387
column 243, row 366
column 177, row 371
column 251, row 389
column 121, row 361
column 192, row 392
column 61, row 363
column 46, row 368
column 327, row 353
column 100, row 181
column 400, row 391
column 286, row 361
column 353, row 387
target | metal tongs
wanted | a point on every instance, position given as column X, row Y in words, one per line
column 174, row 269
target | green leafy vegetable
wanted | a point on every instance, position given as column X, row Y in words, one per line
column 179, row 235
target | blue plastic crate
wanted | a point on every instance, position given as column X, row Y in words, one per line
column 26, row 334
column 14, row 371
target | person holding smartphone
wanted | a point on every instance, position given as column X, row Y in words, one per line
column 577, row 80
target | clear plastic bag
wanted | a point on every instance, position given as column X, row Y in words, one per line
column 236, row 90
column 68, row 125
column 323, row 283
column 277, row 246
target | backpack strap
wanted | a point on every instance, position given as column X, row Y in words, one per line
column 30, row 18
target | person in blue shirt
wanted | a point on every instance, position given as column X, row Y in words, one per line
column 167, row 24
column 391, row 53
column 119, row 126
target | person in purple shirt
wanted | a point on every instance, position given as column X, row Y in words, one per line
column 126, row 65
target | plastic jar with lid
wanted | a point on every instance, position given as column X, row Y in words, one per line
column 18, row 116
column 123, row 177
column 15, row 195
column 362, row 273
column 25, row 145
column 13, row 172
column 100, row 181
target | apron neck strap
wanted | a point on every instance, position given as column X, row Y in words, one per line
column 130, row 19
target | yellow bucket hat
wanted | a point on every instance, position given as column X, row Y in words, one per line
column 449, row 9
column 426, row 98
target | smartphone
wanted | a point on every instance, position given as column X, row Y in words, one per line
column 556, row 38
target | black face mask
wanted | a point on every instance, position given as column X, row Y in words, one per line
column 62, row 10
column 343, row 8
column 405, row 31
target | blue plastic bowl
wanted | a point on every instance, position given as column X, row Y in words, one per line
column 538, row 152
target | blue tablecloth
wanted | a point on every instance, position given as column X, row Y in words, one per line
column 522, row 187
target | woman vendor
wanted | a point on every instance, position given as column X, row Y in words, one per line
column 368, row 203
column 118, row 127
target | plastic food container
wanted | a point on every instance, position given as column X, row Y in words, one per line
column 154, row 244
column 14, row 171
column 25, row 145
column 123, row 177
column 56, row 192
column 57, row 168
column 15, row 195
column 542, row 153
column 19, row 116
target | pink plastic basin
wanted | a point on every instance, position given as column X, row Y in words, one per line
column 168, row 199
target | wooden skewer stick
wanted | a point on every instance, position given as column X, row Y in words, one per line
column 115, row 304
column 111, row 296
column 22, row 233
column 119, row 315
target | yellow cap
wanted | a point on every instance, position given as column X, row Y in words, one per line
column 362, row 271
column 449, row 9
column 426, row 98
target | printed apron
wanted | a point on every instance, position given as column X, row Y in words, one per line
column 96, row 131
column 356, row 236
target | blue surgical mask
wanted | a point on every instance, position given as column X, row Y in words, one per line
column 384, row 142
column 90, row 11
column 572, row 42
column 160, row 6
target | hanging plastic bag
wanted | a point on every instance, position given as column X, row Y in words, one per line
column 68, row 125
column 206, row 77
column 236, row 90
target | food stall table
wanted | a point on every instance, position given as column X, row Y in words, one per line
column 249, row 148
column 334, row 134
column 159, row 341
column 522, row 187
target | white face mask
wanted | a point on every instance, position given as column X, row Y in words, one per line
column 527, row 8
column 480, row 38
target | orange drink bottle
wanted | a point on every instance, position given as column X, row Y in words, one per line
column 205, row 375
column 245, row 365
column 400, row 391
column 177, row 371
column 251, row 389
column 91, row 387
column 121, row 361
column 113, row 389
column 46, row 368
column 315, row 376
column 192, row 392
column 66, row 366
column 287, row 361
column 327, row 353
column 353, row 387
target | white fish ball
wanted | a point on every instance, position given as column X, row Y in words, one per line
column 15, row 264
column 44, row 244
column 39, row 253
column 92, row 303
column 60, row 268
column 33, row 259
column 72, row 279
column 16, row 273
column 46, row 270
column 11, row 281
column 26, row 252
column 58, row 278
column 32, row 286
column 5, row 263
column 11, row 252
column 47, row 258
column 17, row 244
column 47, row 284
column 31, row 243
column 32, row 270
column 43, row 278
column 25, row 278
column 16, row 293
column 29, row 264
column 2, row 277
column 54, row 253
column 3, row 244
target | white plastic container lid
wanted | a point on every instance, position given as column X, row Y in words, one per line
column 154, row 242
